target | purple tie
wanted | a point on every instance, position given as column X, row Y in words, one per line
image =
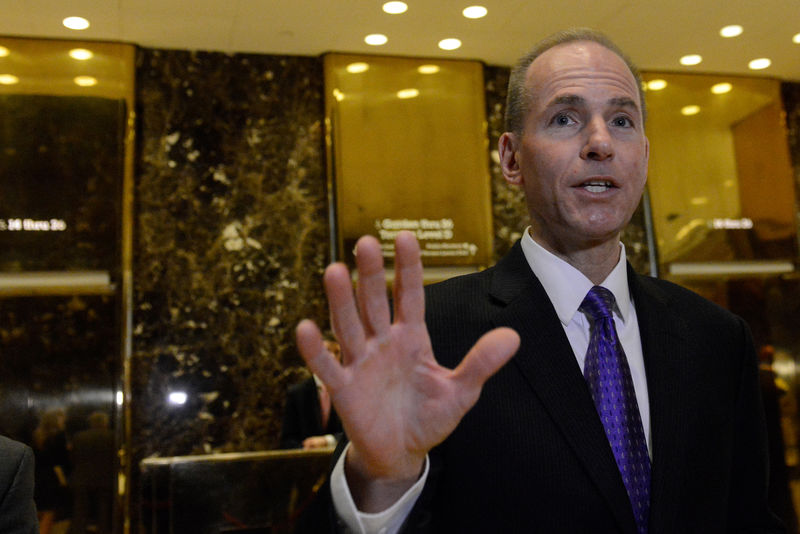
column 609, row 378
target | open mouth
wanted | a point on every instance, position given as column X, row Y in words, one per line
column 597, row 186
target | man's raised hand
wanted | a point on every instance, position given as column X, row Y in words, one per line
column 395, row 402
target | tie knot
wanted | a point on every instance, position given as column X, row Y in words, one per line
column 599, row 303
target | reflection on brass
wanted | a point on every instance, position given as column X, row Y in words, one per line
column 407, row 150
column 720, row 177
column 40, row 283
column 44, row 68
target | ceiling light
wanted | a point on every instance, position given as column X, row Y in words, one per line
column 376, row 39
column 395, row 8
column 796, row 38
column 8, row 79
column 408, row 93
column 699, row 201
column 85, row 81
column 338, row 95
column 80, row 54
column 428, row 69
column 690, row 110
column 760, row 63
column 721, row 88
column 691, row 59
column 4, row 51
column 733, row 30
column 75, row 23
column 656, row 85
column 449, row 44
column 355, row 68
column 474, row 12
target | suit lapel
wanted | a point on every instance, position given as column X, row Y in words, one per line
column 546, row 360
column 669, row 381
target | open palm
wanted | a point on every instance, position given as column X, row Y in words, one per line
column 395, row 401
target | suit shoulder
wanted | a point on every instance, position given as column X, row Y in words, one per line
column 684, row 301
column 469, row 286
column 13, row 449
column 14, row 456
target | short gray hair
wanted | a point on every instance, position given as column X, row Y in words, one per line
column 518, row 97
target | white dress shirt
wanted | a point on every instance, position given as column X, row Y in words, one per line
column 566, row 287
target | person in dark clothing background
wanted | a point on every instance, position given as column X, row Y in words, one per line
column 93, row 477
column 309, row 419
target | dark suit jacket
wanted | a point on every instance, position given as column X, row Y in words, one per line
column 532, row 455
column 17, row 510
column 94, row 458
column 302, row 416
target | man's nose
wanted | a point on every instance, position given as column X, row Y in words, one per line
column 598, row 145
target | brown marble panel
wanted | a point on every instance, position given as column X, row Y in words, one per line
column 231, row 237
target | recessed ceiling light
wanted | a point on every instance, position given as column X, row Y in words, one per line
column 733, row 30
column 395, row 8
column 376, row 39
column 4, row 51
column 408, row 93
column 428, row 69
column 355, row 68
column 80, row 54
column 796, row 38
column 690, row 110
column 691, row 59
column 8, row 79
column 721, row 88
column 449, row 44
column 75, row 23
column 85, row 81
column 656, row 85
column 760, row 63
column 474, row 12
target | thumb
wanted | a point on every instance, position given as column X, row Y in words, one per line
column 486, row 357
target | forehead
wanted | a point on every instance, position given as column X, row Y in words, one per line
column 579, row 67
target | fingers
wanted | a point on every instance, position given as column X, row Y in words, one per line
column 321, row 362
column 488, row 355
column 409, row 296
column 345, row 319
column 372, row 298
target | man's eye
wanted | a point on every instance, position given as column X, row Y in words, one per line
column 622, row 122
column 562, row 120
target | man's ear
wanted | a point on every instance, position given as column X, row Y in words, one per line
column 507, row 148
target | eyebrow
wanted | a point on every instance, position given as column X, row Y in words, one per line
column 572, row 100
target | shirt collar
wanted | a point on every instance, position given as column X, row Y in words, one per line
column 566, row 286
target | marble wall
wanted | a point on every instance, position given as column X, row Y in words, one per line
column 230, row 240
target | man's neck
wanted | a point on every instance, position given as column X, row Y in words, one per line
column 594, row 260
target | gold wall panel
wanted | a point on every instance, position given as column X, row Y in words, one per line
column 408, row 150
column 720, row 179
column 66, row 175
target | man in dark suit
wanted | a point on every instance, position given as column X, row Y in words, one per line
column 93, row 479
column 532, row 454
column 17, row 510
column 309, row 420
